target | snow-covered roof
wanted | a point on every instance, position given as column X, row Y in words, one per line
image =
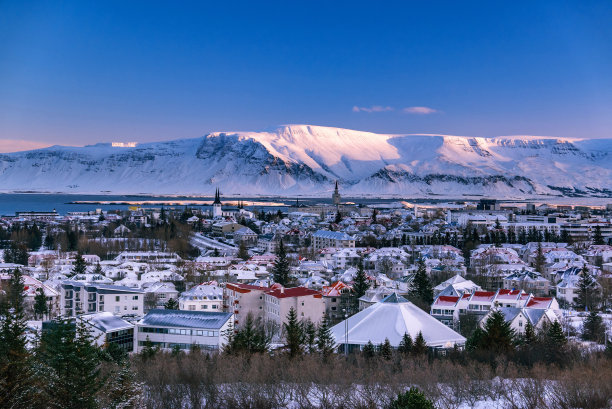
column 185, row 319
column 391, row 319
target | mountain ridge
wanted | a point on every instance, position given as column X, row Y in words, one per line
column 307, row 159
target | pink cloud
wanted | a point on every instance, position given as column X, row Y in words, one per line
column 374, row 108
column 419, row 110
column 16, row 145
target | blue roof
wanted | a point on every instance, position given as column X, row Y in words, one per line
column 185, row 319
column 336, row 235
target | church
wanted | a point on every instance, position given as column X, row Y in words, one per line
column 218, row 212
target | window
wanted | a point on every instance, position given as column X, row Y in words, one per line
column 134, row 308
column 101, row 298
column 214, row 307
column 333, row 308
column 199, row 332
column 117, row 298
column 135, row 297
column 333, row 300
column 125, row 308
column 192, row 308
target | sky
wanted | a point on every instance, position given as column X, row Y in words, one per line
column 82, row 72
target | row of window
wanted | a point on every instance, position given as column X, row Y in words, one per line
column 203, row 307
column 180, row 331
column 171, row 345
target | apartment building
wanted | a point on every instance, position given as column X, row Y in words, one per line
column 325, row 238
column 77, row 298
column 308, row 304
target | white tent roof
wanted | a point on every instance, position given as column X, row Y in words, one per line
column 392, row 318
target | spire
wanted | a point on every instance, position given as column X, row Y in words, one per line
column 217, row 197
column 336, row 189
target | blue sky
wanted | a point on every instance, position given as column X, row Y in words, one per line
column 87, row 71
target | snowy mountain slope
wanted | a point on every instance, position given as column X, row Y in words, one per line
column 303, row 159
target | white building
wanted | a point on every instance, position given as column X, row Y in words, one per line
column 76, row 298
column 326, row 238
column 203, row 297
column 168, row 329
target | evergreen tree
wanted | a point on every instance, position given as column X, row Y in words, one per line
column 243, row 253
column 360, row 284
column 593, row 328
column 421, row 286
column 148, row 351
column 386, row 351
column 587, row 297
column 40, row 303
column 420, row 346
column 70, row 362
column 79, row 266
column 98, row 269
column 171, row 304
column 475, row 340
column 529, row 337
column 597, row 236
column 405, row 346
column 540, row 260
column 554, row 342
column 498, row 335
column 280, row 271
column 310, row 336
column 368, row 350
column 15, row 369
column 252, row 337
column 294, row 334
column 325, row 340
column 411, row 399
column 123, row 390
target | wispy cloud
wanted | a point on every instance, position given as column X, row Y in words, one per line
column 419, row 110
column 374, row 108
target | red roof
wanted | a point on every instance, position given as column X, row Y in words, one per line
column 540, row 301
column 244, row 288
column 446, row 300
column 483, row 296
column 293, row 292
column 334, row 290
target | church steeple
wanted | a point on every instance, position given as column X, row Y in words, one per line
column 217, row 197
column 336, row 196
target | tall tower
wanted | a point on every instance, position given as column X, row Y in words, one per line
column 217, row 205
column 336, row 196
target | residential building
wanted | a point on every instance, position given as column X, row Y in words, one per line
column 326, row 238
column 308, row 304
column 106, row 328
column 203, row 297
column 77, row 298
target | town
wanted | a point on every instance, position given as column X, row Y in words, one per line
column 335, row 278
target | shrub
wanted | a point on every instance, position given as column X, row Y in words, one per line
column 411, row 399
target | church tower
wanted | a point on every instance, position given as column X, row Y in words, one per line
column 336, row 196
column 217, row 205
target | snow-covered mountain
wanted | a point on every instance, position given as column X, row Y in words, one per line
column 306, row 160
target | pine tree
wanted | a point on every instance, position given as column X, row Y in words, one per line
column 587, row 297
column 368, row 350
column 529, row 337
column 554, row 342
column 498, row 334
column 421, row 286
column 411, row 399
column 171, row 304
column 243, row 253
column 360, row 284
column 474, row 342
column 123, row 391
column 540, row 260
column 294, row 334
column 325, row 339
column 70, row 362
column 98, row 269
column 597, row 236
column 40, row 303
column 79, row 266
column 15, row 370
column 252, row 337
column 310, row 336
column 420, row 346
column 148, row 351
column 593, row 328
column 386, row 351
column 405, row 346
column 280, row 271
